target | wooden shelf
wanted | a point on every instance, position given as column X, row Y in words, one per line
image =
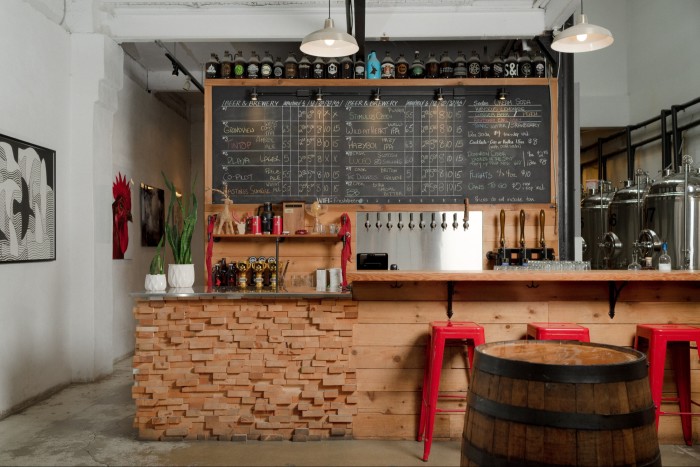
column 373, row 83
column 246, row 237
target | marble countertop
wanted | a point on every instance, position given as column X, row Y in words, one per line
column 232, row 293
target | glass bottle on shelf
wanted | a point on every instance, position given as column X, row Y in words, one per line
column 278, row 69
column 539, row 67
column 291, row 67
column 318, row 68
column 485, row 65
column 525, row 66
column 432, row 67
column 460, row 65
column 401, row 68
column 266, row 66
column 446, row 69
column 388, row 67
column 227, row 65
column 253, row 68
column 417, row 68
column 346, row 68
column 511, row 65
column 304, row 68
column 359, row 68
column 239, row 66
column 332, row 68
column 664, row 259
column 212, row 69
column 497, row 70
column 474, row 66
column 634, row 265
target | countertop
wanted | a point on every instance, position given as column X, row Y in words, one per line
column 236, row 294
column 519, row 275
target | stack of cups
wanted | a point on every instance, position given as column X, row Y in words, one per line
column 321, row 279
column 336, row 279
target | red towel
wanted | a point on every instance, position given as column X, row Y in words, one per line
column 210, row 247
column 346, row 254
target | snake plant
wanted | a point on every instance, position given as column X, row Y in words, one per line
column 180, row 236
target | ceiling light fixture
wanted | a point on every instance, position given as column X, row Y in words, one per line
column 501, row 94
column 329, row 41
column 438, row 95
column 582, row 37
column 253, row 95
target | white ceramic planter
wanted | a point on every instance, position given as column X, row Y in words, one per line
column 180, row 275
column 155, row 282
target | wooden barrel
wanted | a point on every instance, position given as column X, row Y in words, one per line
column 559, row 403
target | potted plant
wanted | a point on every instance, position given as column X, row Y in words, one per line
column 155, row 280
column 179, row 233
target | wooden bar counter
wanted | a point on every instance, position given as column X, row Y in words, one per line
column 395, row 308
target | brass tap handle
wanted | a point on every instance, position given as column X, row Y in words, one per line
column 522, row 228
column 542, row 244
column 465, row 221
column 503, row 226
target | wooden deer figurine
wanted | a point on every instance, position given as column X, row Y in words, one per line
column 224, row 221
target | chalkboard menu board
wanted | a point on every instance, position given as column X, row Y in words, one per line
column 406, row 148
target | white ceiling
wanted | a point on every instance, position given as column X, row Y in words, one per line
column 192, row 29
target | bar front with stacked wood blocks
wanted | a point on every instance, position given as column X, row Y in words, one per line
column 273, row 369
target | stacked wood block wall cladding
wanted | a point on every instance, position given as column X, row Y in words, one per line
column 389, row 341
column 244, row 369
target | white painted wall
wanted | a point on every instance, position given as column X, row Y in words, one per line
column 148, row 137
column 35, row 335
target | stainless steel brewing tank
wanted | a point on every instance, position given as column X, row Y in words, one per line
column 664, row 208
column 624, row 220
column 594, row 223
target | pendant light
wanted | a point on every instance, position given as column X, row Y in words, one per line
column 582, row 37
column 329, row 41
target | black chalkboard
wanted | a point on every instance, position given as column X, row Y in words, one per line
column 406, row 148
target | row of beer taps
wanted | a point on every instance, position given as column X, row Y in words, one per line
column 421, row 221
column 520, row 255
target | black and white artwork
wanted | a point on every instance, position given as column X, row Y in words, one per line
column 152, row 215
column 27, row 202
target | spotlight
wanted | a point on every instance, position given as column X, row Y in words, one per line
column 319, row 95
column 438, row 95
column 253, row 95
column 376, row 97
column 501, row 94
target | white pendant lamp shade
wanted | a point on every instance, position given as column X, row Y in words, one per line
column 329, row 42
column 582, row 37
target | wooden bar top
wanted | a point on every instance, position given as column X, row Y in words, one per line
column 520, row 275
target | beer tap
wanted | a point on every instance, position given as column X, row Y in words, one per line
column 368, row 224
column 522, row 237
column 400, row 223
column 379, row 223
column 433, row 224
column 421, row 224
column 411, row 224
column 389, row 225
column 444, row 222
column 466, row 214
column 455, row 224
column 502, row 219
column 543, row 245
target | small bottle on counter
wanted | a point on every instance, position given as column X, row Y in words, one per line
column 227, row 66
column 212, row 69
column 664, row 259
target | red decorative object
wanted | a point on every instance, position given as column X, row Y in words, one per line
column 346, row 254
column 121, row 214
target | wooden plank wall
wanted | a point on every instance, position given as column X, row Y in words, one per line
column 308, row 255
column 390, row 337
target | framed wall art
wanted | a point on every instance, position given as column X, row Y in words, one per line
column 27, row 202
column 152, row 215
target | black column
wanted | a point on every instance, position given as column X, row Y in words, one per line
column 565, row 183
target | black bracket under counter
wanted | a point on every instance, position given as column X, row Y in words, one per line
column 613, row 295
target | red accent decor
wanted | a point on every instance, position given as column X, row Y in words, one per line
column 346, row 255
column 558, row 331
column 121, row 214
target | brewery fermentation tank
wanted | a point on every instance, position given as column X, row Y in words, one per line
column 625, row 221
column 594, row 222
column 671, row 213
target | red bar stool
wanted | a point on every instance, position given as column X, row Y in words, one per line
column 558, row 331
column 440, row 332
column 678, row 338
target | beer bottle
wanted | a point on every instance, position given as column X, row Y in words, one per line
column 432, row 67
column 278, row 69
column 304, row 68
column 401, row 68
column 485, row 65
column 239, row 67
column 253, row 69
column 525, row 66
column 446, row 66
column 474, row 66
column 359, row 68
column 332, row 68
column 388, row 67
column 417, row 68
column 318, row 68
column 266, row 66
column 539, row 67
column 227, row 65
column 511, row 65
column 497, row 70
column 291, row 67
column 461, row 65
column 346, row 68
column 212, row 68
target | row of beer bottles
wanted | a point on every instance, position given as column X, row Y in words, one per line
column 516, row 65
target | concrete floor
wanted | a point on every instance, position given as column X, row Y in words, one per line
column 90, row 424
